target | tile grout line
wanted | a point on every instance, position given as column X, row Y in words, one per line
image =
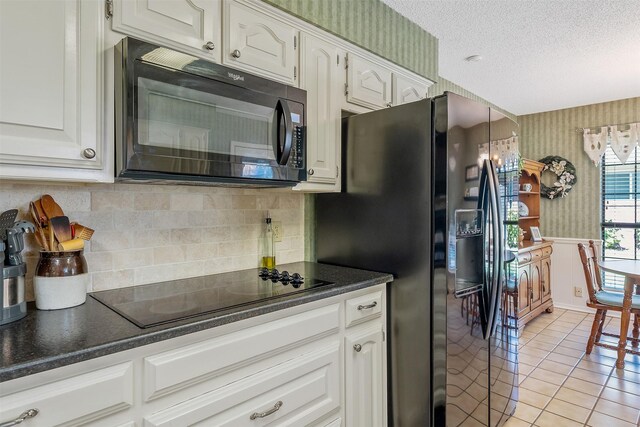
column 611, row 373
column 568, row 374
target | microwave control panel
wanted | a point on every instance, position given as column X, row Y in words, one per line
column 297, row 149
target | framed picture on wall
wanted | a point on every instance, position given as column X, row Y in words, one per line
column 535, row 234
column 471, row 172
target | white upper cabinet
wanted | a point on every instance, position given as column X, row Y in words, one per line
column 51, row 91
column 192, row 26
column 406, row 90
column 368, row 84
column 259, row 43
column 320, row 76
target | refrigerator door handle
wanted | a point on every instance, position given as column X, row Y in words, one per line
column 484, row 202
column 498, row 250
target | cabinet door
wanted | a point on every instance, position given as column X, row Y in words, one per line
column 364, row 377
column 51, row 89
column 320, row 75
column 259, row 44
column 536, row 296
column 545, row 278
column 407, row 90
column 368, row 84
column 192, row 26
column 524, row 284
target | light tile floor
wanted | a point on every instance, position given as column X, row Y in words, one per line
column 561, row 386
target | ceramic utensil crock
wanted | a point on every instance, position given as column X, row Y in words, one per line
column 61, row 280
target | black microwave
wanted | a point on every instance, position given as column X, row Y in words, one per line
column 183, row 119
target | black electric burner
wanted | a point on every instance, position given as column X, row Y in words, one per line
column 159, row 303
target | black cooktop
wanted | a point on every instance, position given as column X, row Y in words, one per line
column 159, row 303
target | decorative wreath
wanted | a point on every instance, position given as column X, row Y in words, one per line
column 566, row 173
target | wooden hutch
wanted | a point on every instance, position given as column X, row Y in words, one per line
column 534, row 258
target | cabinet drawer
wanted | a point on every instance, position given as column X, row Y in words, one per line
column 293, row 393
column 363, row 308
column 182, row 367
column 546, row 251
column 524, row 258
column 76, row 400
column 536, row 255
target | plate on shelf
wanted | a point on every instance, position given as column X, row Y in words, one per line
column 523, row 209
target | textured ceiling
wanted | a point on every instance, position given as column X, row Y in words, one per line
column 538, row 55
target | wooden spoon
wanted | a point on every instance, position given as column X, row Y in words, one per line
column 40, row 216
column 50, row 207
column 40, row 236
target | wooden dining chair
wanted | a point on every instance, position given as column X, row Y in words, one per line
column 603, row 300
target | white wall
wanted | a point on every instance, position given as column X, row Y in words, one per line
column 567, row 272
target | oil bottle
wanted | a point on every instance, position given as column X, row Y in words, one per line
column 267, row 248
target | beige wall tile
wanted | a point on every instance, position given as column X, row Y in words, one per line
column 186, row 230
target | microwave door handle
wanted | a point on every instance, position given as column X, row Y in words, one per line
column 282, row 150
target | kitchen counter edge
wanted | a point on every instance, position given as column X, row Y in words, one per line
column 46, row 340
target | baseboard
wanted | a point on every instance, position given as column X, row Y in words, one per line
column 583, row 309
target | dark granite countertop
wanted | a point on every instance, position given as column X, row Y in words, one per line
column 51, row 339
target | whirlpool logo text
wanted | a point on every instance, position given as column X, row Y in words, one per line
column 235, row 77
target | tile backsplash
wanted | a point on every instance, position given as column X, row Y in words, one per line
column 151, row 233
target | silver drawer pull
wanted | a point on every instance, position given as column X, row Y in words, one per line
column 23, row 416
column 255, row 415
column 368, row 306
column 357, row 347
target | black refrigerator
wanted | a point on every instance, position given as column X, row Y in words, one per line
column 430, row 195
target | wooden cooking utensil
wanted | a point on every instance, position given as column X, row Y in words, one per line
column 50, row 207
column 82, row 232
column 61, row 228
column 71, row 245
column 40, row 236
column 40, row 215
column 52, row 238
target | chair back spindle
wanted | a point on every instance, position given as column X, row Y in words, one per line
column 588, row 262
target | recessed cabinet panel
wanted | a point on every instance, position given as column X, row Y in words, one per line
column 535, row 285
column 297, row 392
column 368, row 84
column 258, row 43
column 78, row 400
column 365, row 378
column 524, row 294
column 192, row 26
column 407, row 90
column 50, row 85
column 320, row 78
column 545, row 278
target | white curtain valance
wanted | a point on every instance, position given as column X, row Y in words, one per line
column 622, row 142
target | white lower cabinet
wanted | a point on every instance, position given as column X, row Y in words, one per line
column 293, row 393
column 365, row 376
column 81, row 399
column 293, row 367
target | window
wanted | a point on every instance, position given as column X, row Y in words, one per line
column 620, row 210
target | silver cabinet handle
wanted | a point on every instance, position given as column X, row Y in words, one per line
column 88, row 153
column 275, row 408
column 209, row 46
column 389, row 104
column 357, row 347
column 368, row 306
column 311, row 172
column 23, row 416
column 236, row 53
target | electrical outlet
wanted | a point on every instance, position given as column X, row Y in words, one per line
column 276, row 226
column 577, row 290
